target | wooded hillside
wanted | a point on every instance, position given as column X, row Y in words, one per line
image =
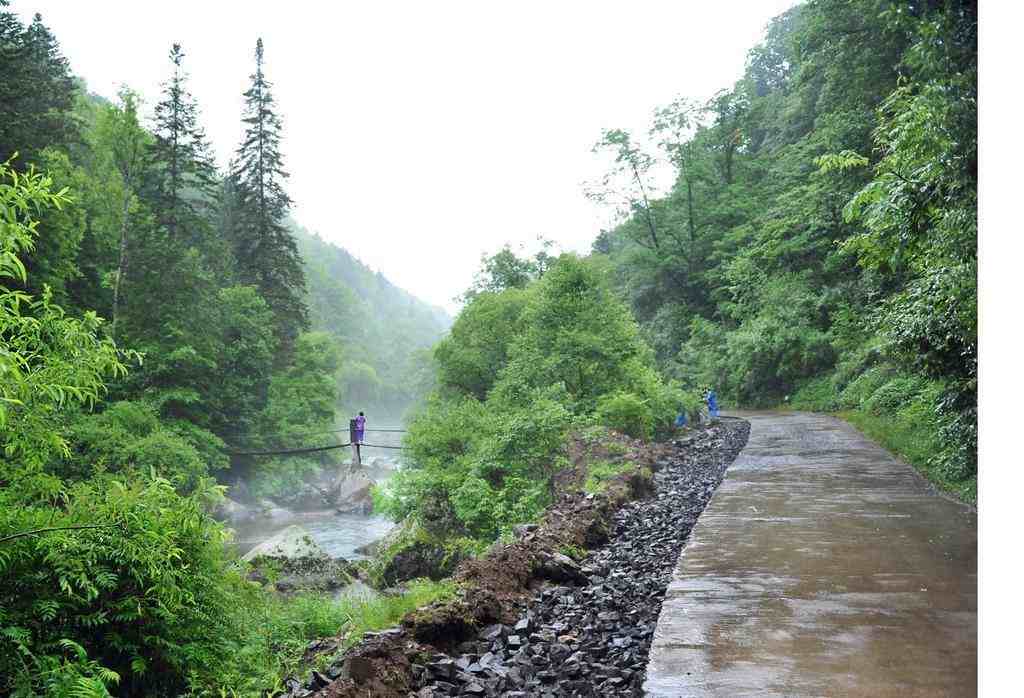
column 818, row 246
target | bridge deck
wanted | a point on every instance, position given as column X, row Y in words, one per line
column 821, row 567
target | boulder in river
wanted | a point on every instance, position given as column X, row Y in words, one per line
column 294, row 562
column 369, row 549
column 293, row 542
column 381, row 463
column 270, row 510
column 233, row 512
column 353, row 495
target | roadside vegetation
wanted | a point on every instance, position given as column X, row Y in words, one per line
column 817, row 247
column 534, row 356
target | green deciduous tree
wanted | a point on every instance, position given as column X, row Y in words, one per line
column 119, row 135
column 476, row 350
column 822, row 225
column 520, row 367
column 627, row 185
column 49, row 360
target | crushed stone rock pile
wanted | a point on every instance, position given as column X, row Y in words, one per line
column 591, row 636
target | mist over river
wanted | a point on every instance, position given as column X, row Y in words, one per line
column 338, row 534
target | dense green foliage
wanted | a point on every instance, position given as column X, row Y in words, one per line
column 273, row 633
column 522, row 365
column 102, row 581
column 818, row 244
column 113, row 577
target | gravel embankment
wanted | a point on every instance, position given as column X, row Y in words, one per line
column 591, row 637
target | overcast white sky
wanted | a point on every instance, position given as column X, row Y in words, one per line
column 420, row 135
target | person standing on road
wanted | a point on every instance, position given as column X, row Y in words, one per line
column 712, row 404
column 360, row 427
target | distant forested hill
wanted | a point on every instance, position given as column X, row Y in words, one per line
column 385, row 331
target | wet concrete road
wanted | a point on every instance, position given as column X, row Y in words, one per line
column 821, row 567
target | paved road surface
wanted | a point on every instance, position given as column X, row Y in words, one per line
column 821, row 567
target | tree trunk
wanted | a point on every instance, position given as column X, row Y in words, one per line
column 692, row 226
column 647, row 208
column 122, row 263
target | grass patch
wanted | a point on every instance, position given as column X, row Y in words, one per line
column 276, row 632
column 601, row 472
column 916, row 443
column 366, row 615
column 574, row 552
column 280, row 628
column 614, row 448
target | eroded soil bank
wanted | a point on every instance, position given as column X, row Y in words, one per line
column 530, row 620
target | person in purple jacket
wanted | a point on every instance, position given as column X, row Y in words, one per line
column 360, row 427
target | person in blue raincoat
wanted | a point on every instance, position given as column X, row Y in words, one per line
column 712, row 403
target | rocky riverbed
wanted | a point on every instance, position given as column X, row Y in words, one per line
column 534, row 621
column 334, row 506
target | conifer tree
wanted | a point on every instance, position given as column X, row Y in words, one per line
column 37, row 90
column 265, row 250
column 182, row 183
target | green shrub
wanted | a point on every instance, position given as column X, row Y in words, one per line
column 74, row 674
column 857, row 392
column 272, row 633
column 573, row 551
column 816, row 394
column 574, row 356
column 614, row 448
column 599, row 473
column 376, row 613
column 149, row 595
column 128, row 439
column 279, row 477
column 626, row 413
column 478, row 471
column 893, row 395
column 776, row 343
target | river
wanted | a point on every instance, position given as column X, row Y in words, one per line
column 338, row 534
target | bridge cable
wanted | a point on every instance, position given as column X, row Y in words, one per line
column 297, row 451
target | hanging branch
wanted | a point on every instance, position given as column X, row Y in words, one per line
column 631, row 163
column 37, row 531
column 647, row 206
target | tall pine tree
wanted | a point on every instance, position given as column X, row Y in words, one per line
column 182, row 179
column 37, row 90
column 177, row 257
column 266, row 252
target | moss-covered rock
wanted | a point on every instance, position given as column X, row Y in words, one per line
column 411, row 551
